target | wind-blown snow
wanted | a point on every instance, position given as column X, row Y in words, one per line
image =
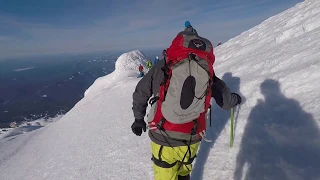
column 274, row 66
column 24, row 69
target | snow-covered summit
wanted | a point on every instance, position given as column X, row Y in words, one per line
column 277, row 129
column 126, row 66
column 130, row 61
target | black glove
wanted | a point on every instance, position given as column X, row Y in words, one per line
column 138, row 126
column 238, row 98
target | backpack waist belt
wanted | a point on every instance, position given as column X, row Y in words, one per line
column 164, row 164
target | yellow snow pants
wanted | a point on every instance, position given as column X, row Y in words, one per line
column 167, row 161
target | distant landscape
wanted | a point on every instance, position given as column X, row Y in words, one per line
column 43, row 87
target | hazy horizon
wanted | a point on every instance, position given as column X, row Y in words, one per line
column 52, row 27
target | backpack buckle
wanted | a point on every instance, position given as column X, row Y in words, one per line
column 192, row 56
column 153, row 100
column 160, row 124
column 195, row 127
column 151, row 126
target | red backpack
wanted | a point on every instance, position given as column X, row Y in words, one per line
column 185, row 93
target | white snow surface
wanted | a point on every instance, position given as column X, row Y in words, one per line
column 274, row 66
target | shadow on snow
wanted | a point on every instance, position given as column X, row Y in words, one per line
column 280, row 141
column 219, row 119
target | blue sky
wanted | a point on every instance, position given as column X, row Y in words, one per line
column 36, row 27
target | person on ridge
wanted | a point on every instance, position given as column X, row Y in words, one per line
column 155, row 61
column 141, row 73
column 174, row 145
column 164, row 53
column 149, row 64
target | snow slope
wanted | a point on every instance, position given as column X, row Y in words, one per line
column 273, row 65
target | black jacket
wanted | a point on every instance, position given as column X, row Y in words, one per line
column 149, row 86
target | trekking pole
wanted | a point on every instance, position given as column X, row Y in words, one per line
column 231, row 127
column 236, row 119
